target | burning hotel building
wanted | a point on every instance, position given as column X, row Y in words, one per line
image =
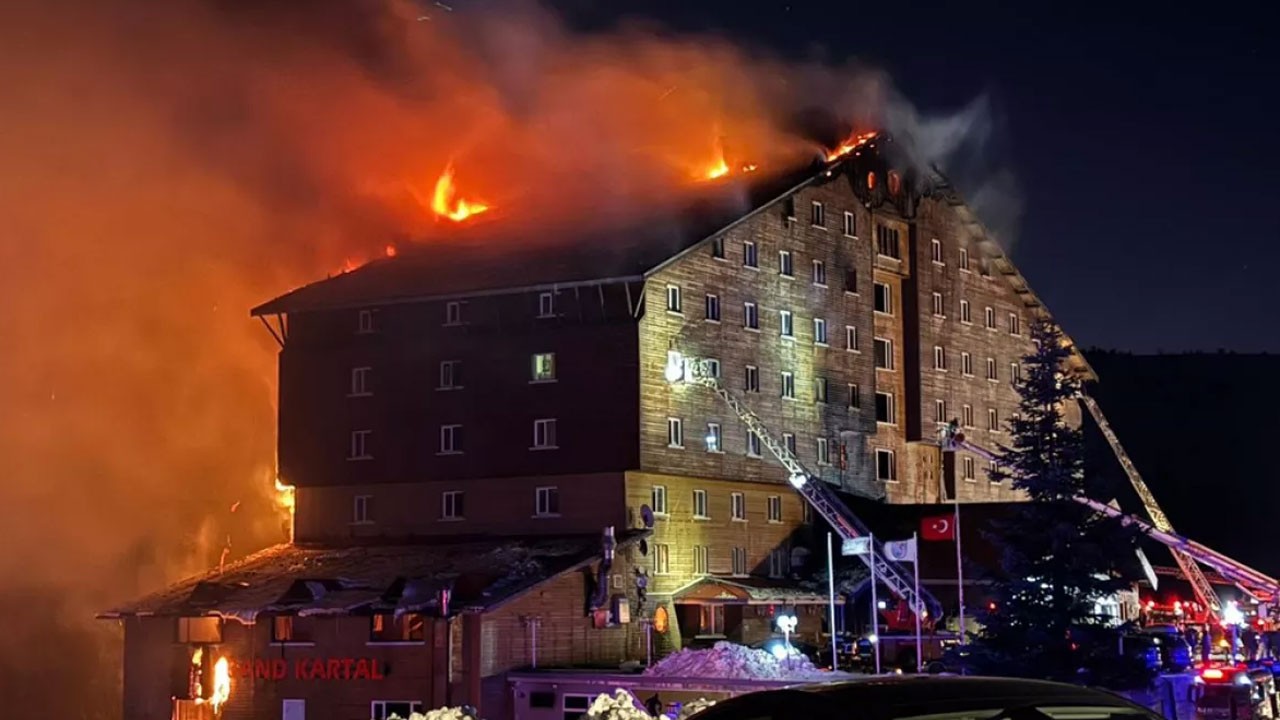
column 492, row 472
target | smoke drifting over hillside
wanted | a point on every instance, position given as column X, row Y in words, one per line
column 168, row 166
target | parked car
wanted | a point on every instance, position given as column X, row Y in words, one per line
column 921, row 697
column 1175, row 651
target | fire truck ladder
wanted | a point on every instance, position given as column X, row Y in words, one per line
column 695, row 371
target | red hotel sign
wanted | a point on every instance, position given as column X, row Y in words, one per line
column 308, row 669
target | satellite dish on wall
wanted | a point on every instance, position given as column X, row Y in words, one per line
column 646, row 516
column 644, row 548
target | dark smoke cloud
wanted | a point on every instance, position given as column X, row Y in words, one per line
column 166, row 166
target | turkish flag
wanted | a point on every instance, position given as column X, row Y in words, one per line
column 940, row 527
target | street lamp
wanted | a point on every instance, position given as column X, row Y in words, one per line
column 787, row 624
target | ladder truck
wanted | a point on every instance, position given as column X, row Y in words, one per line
column 1187, row 553
column 683, row 369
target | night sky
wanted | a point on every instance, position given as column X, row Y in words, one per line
column 1144, row 143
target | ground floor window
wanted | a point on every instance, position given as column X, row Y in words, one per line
column 384, row 709
column 575, row 706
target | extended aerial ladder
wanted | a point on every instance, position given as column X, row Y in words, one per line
column 695, row 371
column 1185, row 552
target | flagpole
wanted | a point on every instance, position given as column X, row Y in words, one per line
column 959, row 570
column 915, row 547
column 831, row 591
column 875, row 604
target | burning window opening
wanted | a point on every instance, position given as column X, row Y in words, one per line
column 444, row 204
column 220, row 690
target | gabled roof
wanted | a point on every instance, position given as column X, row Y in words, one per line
column 318, row 580
column 749, row 591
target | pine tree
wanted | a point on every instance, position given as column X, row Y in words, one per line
column 1057, row 556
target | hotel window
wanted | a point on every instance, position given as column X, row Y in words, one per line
column 737, row 506
column 673, row 298
column 750, row 317
column 788, row 382
column 886, row 465
column 451, row 505
column 739, row 558
column 700, row 504
column 806, row 513
column 203, row 630
column 964, row 260
column 543, row 367
column 675, row 433
column 785, row 268
column 753, row 444
column 851, row 281
column 818, row 215
column 885, row 411
column 713, row 367
column 970, row 473
column 701, row 560
column 775, row 508
column 966, row 363
column 824, row 451
column 883, row 299
column 715, row 442
column 364, row 322
column 819, row 273
column 450, row 439
column 1015, row 372
column 940, row 411
column 661, row 559
column 939, row 357
column 887, row 242
column 935, row 250
column 939, row 310
column 993, row 420
column 850, row 338
column 785, row 325
column 751, row 379
column 850, row 225
column 820, row 390
column 967, row 415
column 713, row 308
column 789, row 209
column 574, row 707
column 1015, row 325
column 360, row 382
column 990, row 318
column 855, row 395
column 362, row 509
column 658, row 498
column 778, row 562
column 991, row 369
column 993, row 472
column 819, row 331
column 453, row 313
column 386, row 709
column 749, row 257
column 290, row 629
column 544, row 434
column 717, row 247
column 884, row 353
column 789, row 442
column 450, row 375
column 966, row 315
column 546, row 501
column 546, row 305
column 389, row 627
column 360, row 445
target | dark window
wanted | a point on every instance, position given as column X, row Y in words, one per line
column 884, row 298
column 542, row 699
column 851, row 281
column 885, row 412
column 887, row 242
column 717, row 248
column 818, row 215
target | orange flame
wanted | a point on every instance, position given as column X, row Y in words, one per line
column 391, row 251
column 443, row 203
column 720, row 167
column 221, row 684
column 854, row 142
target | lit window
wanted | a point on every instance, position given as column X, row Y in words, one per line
column 714, row 439
column 886, row 465
column 784, row 263
column 788, row 383
column 885, row 411
column 738, row 506
column 750, row 316
column 362, row 509
column 360, row 445
column 360, row 382
column 850, row 225
column 451, row 505
column 673, row 298
column 751, row 379
column 713, row 308
column 824, row 451
column 883, row 299
column 884, row 353
column 700, row 504
column 1015, row 324
column 661, row 559
column 855, row 395
column 546, row 305
column 939, row 358
column 785, row 323
column 453, row 313
column 753, row 444
column 546, row 501
column 544, row 367
column 966, row 315
column 364, row 322
column 820, row 390
column 675, row 432
column 819, row 331
column 818, row 215
column 935, row 250
column 964, row 260
column 717, row 248
column 450, row 374
column 967, row 411
column 749, row 257
column 966, row 364
column 775, row 508
column 659, row 498
column 850, row 338
column 544, row 434
column 450, row 439
column 938, row 309
column 819, row 273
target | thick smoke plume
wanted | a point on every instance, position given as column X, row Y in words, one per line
column 166, row 166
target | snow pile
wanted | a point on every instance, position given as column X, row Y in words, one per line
column 448, row 713
column 737, row 662
column 622, row 706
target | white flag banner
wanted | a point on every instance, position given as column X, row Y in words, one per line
column 856, row 546
column 901, row 550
